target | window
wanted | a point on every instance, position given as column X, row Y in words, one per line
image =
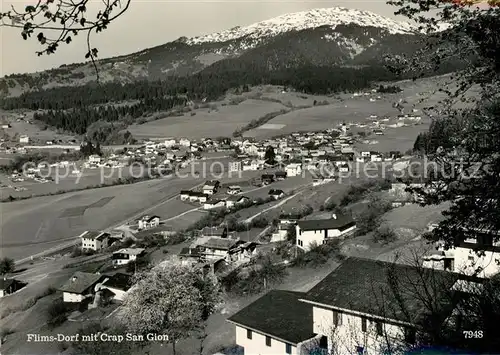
column 471, row 257
column 337, row 318
column 363, row 324
column 380, row 328
column 288, row 348
column 268, row 341
column 249, row 334
column 360, row 350
column 300, row 243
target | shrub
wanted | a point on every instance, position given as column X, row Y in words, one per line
column 57, row 313
column 384, row 235
column 318, row 254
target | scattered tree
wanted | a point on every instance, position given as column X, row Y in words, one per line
column 7, row 265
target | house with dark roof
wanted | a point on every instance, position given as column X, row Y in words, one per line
column 217, row 248
column 80, row 286
column 213, row 204
column 94, row 240
column 320, row 230
column 148, row 222
column 220, row 232
column 356, row 309
column 233, row 201
column 8, row 286
column 276, row 193
column 126, row 255
column 277, row 323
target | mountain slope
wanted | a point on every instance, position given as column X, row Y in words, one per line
column 332, row 36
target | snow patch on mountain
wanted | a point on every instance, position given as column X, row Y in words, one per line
column 304, row 20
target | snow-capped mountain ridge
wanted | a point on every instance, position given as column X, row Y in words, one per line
column 304, row 20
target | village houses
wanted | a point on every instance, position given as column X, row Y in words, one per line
column 319, row 231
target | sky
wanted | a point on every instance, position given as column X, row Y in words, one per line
column 148, row 23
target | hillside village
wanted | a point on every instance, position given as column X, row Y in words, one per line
column 218, row 245
column 324, row 182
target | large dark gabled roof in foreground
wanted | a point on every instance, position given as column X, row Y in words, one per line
column 279, row 314
column 381, row 288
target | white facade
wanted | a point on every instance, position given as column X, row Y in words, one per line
column 147, row 224
column 257, row 344
column 305, row 238
column 73, row 297
column 211, row 205
column 184, row 142
column 354, row 331
column 235, row 166
column 293, row 170
column 467, row 261
column 169, row 142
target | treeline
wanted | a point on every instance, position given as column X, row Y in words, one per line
column 440, row 134
column 211, row 84
column 77, row 120
column 389, row 89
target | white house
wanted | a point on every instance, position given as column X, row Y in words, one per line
column 94, row 159
column 250, row 165
column 233, row 201
column 235, row 166
column 376, row 158
column 148, row 222
column 257, row 329
column 479, row 256
column 80, row 286
column 320, row 230
column 344, row 168
column 9, row 286
column 276, row 194
column 170, row 142
column 233, row 190
column 294, row 169
column 126, row 255
column 24, row 139
column 184, row 142
column 212, row 204
column 94, row 240
column 209, row 189
column 349, row 312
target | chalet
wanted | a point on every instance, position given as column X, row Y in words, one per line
column 94, row 240
column 184, row 142
column 80, row 287
column 376, row 157
column 293, row 169
column 281, row 233
column 280, row 175
column 243, row 251
column 148, row 222
column 118, row 284
column 233, row 190
column 198, row 197
column 235, row 166
column 378, row 132
column 214, row 203
column 185, row 194
column 24, row 139
column 211, row 187
column 217, row 248
column 190, row 255
column 319, row 231
column 126, row 255
column 6, row 125
column 267, row 179
column 94, row 159
column 276, row 194
column 209, row 190
column 233, row 201
column 8, row 286
column 351, row 306
column 169, row 142
column 344, row 168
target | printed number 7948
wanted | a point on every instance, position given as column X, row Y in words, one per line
column 473, row 334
